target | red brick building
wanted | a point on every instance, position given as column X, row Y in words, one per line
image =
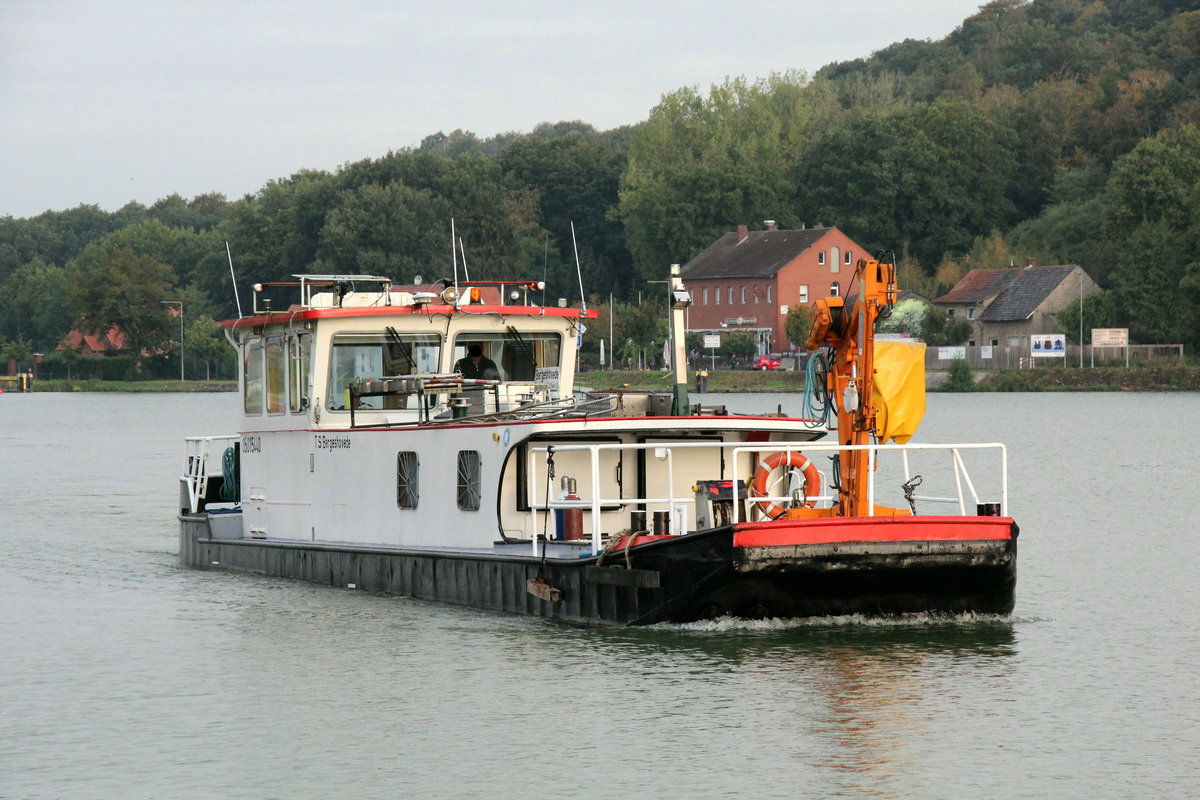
column 748, row 280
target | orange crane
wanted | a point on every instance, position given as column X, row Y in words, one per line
column 850, row 332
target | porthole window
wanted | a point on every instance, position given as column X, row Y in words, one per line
column 468, row 480
column 408, row 474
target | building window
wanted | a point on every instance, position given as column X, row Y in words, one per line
column 820, row 256
column 834, row 289
column 971, row 313
column 743, row 295
column 835, row 263
column 804, row 293
column 717, row 295
column 768, row 293
column 730, row 295
column 849, row 258
column 705, row 295
column 408, row 484
column 468, row 480
column 950, row 312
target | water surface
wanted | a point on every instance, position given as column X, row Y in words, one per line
column 123, row 675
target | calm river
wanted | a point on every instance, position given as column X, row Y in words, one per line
column 123, row 675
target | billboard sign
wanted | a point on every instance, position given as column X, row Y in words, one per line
column 712, row 340
column 1048, row 345
column 1110, row 337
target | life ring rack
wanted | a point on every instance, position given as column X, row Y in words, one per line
column 785, row 458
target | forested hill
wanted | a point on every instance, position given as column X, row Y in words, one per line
column 1059, row 130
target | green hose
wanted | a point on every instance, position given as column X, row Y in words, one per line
column 229, row 476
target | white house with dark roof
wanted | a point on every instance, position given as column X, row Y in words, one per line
column 749, row 280
column 1007, row 306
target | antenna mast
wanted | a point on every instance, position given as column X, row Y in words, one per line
column 233, row 278
column 578, row 272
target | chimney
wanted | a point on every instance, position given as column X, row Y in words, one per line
column 769, row 224
column 742, row 232
column 1029, row 262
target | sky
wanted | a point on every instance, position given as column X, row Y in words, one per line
column 111, row 101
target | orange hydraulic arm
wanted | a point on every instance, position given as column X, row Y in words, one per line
column 850, row 332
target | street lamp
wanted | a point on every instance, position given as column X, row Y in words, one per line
column 180, row 304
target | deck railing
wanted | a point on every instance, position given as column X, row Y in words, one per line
column 199, row 465
column 964, row 486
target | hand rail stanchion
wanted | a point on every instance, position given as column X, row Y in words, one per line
column 533, row 499
column 595, row 455
column 962, row 505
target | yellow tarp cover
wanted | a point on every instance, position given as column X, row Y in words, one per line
column 899, row 394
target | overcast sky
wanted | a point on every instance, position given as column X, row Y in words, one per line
column 117, row 100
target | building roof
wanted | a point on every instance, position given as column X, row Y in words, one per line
column 111, row 341
column 1018, row 292
column 760, row 255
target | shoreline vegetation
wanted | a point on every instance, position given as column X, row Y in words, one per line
column 1176, row 378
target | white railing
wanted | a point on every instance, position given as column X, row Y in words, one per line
column 963, row 484
column 873, row 450
column 198, row 465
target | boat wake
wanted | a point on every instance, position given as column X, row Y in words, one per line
column 901, row 621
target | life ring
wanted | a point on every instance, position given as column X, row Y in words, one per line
column 812, row 480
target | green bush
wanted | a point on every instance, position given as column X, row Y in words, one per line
column 959, row 377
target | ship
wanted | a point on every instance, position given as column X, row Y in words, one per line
column 431, row 442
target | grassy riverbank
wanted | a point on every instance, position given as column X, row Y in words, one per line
column 1043, row 379
column 96, row 385
column 1177, row 378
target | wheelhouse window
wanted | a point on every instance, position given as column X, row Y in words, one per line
column 275, row 374
column 368, row 356
column 518, row 356
column 468, row 480
column 252, row 376
column 408, row 474
column 300, row 358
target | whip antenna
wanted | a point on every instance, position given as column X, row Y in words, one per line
column 578, row 272
column 234, row 279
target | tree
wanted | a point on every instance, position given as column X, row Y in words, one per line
column 932, row 177
column 576, row 173
column 37, row 303
column 1099, row 311
column 738, row 347
column 796, row 325
column 638, row 327
column 938, row 329
column 702, row 163
column 907, row 317
column 1151, row 207
column 126, row 290
column 205, row 344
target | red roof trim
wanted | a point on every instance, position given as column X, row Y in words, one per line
column 426, row 309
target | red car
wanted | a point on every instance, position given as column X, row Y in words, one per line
column 768, row 361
